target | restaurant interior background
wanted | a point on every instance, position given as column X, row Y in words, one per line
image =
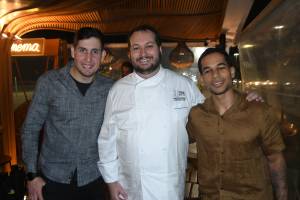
column 267, row 52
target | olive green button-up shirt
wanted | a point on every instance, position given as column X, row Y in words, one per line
column 232, row 149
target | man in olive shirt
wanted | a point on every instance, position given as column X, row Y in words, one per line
column 238, row 142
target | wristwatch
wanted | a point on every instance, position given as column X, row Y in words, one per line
column 30, row 176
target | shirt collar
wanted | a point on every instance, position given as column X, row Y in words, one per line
column 240, row 103
column 65, row 72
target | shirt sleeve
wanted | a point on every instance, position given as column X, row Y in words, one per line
column 189, row 128
column 272, row 140
column 33, row 124
column 108, row 158
column 198, row 96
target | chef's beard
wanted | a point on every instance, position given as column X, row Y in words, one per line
column 149, row 70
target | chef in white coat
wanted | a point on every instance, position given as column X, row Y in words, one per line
column 143, row 142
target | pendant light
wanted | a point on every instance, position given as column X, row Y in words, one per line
column 181, row 57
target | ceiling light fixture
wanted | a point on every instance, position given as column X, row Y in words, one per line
column 4, row 35
column 18, row 37
column 181, row 57
column 248, row 46
column 279, row 27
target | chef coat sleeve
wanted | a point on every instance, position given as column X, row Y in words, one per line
column 108, row 158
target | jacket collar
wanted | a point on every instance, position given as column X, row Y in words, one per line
column 66, row 78
column 64, row 73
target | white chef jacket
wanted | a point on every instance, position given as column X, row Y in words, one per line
column 143, row 142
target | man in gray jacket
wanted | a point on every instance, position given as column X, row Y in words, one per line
column 69, row 104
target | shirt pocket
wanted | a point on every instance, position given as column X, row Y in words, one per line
column 181, row 109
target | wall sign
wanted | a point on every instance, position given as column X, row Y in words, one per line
column 28, row 47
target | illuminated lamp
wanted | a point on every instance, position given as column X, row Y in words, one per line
column 4, row 35
column 181, row 57
column 109, row 57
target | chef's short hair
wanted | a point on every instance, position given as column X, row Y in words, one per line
column 145, row 27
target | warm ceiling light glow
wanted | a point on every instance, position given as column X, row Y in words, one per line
column 3, row 3
column 2, row 11
column 18, row 37
column 17, row 4
column 245, row 46
column 4, row 35
column 15, row 14
column 9, row 17
column 279, row 27
column 2, row 22
column 33, row 10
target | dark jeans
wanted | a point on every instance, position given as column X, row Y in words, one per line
column 95, row 190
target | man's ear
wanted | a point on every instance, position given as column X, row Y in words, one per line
column 128, row 54
column 232, row 72
column 72, row 51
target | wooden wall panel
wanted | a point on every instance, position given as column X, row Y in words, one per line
column 6, row 100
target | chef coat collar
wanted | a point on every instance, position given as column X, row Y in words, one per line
column 152, row 80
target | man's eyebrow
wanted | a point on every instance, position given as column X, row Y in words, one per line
column 151, row 42
column 219, row 64
column 91, row 49
column 205, row 67
column 222, row 63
